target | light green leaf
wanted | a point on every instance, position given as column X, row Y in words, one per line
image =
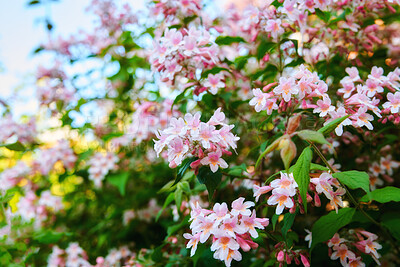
column 383, row 195
column 119, row 180
column 301, row 173
column 332, row 125
column 313, row 136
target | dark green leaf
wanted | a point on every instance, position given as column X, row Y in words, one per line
column 172, row 229
column 47, row 237
column 329, row 224
column 301, row 173
column 210, row 179
column 227, row 40
column 214, row 70
column 17, row 146
column 167, row 201
column 183, row 168
column 392, row 222
column 264, row 48
column 353, row 179
column 287, row 223
column 383, row 195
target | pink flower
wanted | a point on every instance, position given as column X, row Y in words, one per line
column 214, row 160
column 285, row 185
column 282, row 200
column 274, row 26
column 214, row 83
column 335, row 241
column 343, row 253
column 393, row 103
column 258, row 191
column 206, row 135
column 286, row 88
column 220, row 212
column 259, row 100
column 362, row 118
column 193, row 241
column 177, row 151
column 324, row 106
column 238, row 207
column 251, row 223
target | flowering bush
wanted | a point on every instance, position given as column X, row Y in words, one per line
column 151, row 123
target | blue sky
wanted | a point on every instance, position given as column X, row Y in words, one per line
column 21, row 31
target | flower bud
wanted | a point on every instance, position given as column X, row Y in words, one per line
column 293, row 124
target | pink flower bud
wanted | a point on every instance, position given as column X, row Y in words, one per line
column 281, row 256
column 305, row 260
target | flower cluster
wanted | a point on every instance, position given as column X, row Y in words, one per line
column 75, row 256
column 363, row 241
column 325, row 184
column 174, row 9
column 382, row 168
column 52, row 86
column 189, row 137
column 286, row 256
column 146, row 120
column 361, row 97
column 230, row 230
column 12, row 176
column 100, row 164
column 23, row 132
column 38, row 208
column 183, row 51
column 283, row 191
column 47, row 158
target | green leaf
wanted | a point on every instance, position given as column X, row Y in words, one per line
column 227, row 40
column 172, row 229
column 392, row 222
column 167, row 201
column 301, row 173
column 332, row 125
column 214, row 70
column 33, row 2
column 119, row 180
column 183, row 168
column 329, row 224
column 313, row 136
column 287, row 223
column 210, row 179
column 179, row 97
column 264, row 48
column 325, row 16
column 189, row 19
column 274, row 220
column 269, row 149
column 383, row 195
column 17, row 146
column 317, row 167
column 157, row 254
column 47, row 237
column 237, row 170
column 353, row 179
column 178, row 198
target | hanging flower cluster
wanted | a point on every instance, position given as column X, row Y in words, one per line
column 189, row 137
column 183, row 52
column 100, row 165
column 362, row 241
column 230, row 230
